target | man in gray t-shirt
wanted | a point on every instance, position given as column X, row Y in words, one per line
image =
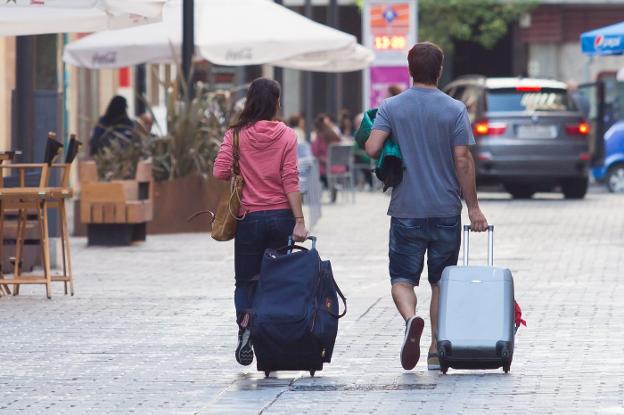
column 434, row 134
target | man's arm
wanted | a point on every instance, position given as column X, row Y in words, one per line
column 465, row 171
column 375, row 143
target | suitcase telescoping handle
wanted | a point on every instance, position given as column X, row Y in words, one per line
column 490, row 231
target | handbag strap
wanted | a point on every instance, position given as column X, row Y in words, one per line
column 236, row 153
column 234, row 193
column 202, row 212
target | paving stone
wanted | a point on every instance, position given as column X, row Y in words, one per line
column 151, row 328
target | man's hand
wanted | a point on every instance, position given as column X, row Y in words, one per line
column 300, row 233
column 478, row 222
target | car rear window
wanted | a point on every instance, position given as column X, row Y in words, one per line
column 512, row 100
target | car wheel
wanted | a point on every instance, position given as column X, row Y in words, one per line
column 520, row 191
column 615, row 178
column 575, row 188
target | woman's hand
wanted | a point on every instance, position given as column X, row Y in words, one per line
column 300, row 233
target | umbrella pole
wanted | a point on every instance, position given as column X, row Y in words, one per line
column 25, row 97
column 278, row 73
column 332, row 90
column 307, row 92
column 140, row 89
column 66, row 78
column 588, row 63
column 188, row 43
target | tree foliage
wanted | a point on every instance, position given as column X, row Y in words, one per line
column 195, row 131
column 119, row 159
column 482, row 21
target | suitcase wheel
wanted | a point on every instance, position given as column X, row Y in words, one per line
column 267, row 373
column 444, row 369
column 506, row 368
column 312, row 372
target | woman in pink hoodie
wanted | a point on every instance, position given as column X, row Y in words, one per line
column 270, row 201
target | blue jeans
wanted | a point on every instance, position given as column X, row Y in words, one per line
column 411, row 238
column 254, row 234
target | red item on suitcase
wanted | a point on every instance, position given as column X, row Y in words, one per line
column 519, row 319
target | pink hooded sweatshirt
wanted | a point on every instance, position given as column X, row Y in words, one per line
column 268, row 164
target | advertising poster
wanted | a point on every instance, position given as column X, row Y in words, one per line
column 382, row 78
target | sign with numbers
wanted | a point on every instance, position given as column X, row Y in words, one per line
column 390, row 28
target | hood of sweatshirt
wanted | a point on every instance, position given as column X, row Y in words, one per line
column 264, row 133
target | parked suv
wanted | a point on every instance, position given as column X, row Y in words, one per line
column 530, row 135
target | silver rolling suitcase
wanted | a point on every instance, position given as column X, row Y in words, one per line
column 476, row 320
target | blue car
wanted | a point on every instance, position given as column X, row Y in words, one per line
column 612, row 172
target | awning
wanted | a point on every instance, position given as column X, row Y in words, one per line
column 604, row 41
column 33, row 17
column 230, row 33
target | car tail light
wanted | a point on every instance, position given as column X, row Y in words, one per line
column 581, row 128
column 485, row 156
column 485, row 127
column 584, row 157
column 527, row 88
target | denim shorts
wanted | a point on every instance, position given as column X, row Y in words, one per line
column 411, row 238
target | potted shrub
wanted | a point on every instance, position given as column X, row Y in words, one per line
column 183, row 159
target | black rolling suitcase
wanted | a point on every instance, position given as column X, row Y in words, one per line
column 294, row 320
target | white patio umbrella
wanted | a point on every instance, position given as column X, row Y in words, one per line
column 32, row 17
column 228, row 32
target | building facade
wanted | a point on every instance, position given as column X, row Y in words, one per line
column 551, row 33
column 545, row 43
column 7, row 85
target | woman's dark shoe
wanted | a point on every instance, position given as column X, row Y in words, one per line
column 244, row 351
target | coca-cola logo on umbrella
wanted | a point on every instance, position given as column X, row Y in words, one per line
column 32, row 2
column 52, row 3
column 104, row 58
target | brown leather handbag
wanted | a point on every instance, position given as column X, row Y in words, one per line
column 227, row 216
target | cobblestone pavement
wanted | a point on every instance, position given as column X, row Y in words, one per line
column 151, row 327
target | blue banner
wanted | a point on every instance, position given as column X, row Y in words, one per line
column 605, row 41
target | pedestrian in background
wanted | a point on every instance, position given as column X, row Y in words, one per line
column 434, row 134
column 297, row 123
column 581, row 101
column 114, row 125
column 145, row 123
column 325, row 136
column 345, row 124
column 270, row 202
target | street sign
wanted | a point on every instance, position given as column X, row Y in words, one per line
column 390, row 30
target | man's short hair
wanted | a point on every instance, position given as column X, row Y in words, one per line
column 425, row 63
